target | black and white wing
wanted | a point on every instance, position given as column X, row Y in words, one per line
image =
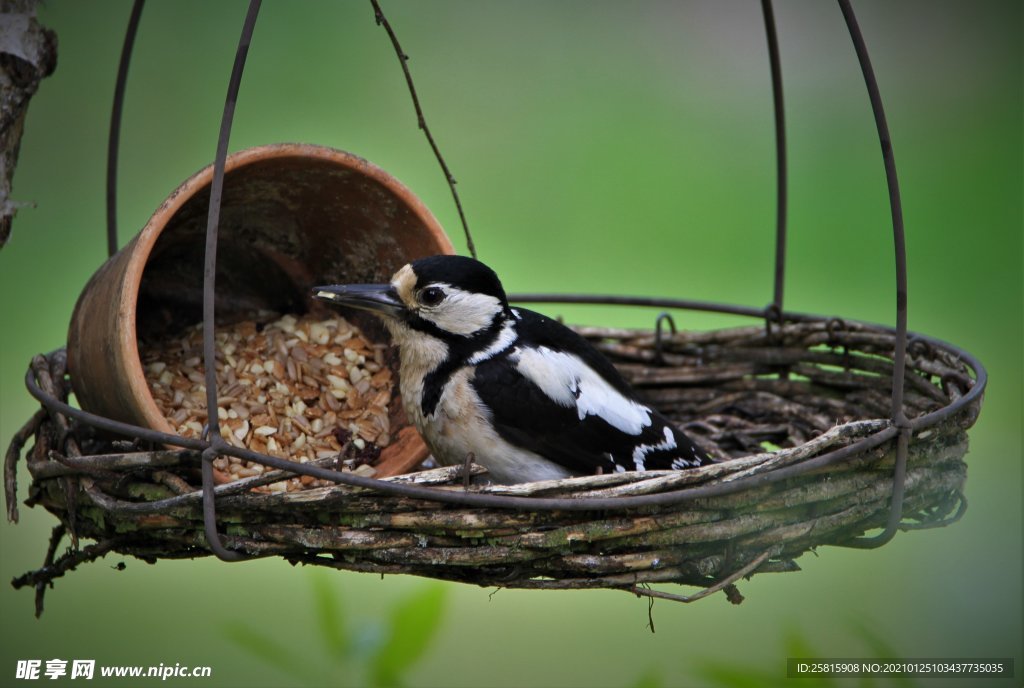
column 557, row 396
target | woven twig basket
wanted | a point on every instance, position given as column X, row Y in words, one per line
column 817, row 391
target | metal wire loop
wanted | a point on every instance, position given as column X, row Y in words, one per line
column 898, row 490
column 210, row 511
column 664, row 316
column 919, row 347
column 773, row 316
column 834, row 326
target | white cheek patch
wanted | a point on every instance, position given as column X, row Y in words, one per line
column 420, row 350
column 462, row 312
column 569, row 382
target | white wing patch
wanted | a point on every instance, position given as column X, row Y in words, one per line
column 641, row 452
column 681, row 463
column 570, row 382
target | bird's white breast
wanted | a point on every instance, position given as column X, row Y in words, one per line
column 419, row 354
column 460, row 424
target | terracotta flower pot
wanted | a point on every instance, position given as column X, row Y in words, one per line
column 292, row 217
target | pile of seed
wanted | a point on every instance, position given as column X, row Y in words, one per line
column 296, row 388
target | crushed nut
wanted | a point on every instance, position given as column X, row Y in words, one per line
column 289, row 388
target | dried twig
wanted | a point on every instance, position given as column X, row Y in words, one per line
column 421, row 121
column 11, row 462
column 41, row 578
column 710, row 590
column 107, row 463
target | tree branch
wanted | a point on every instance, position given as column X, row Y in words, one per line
column 28, row 54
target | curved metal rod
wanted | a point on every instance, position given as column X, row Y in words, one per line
column 895, row 206
column 896, row 506
column 210, row 512
column 213, row 216
column 781, row 179
column 209, row 283
column 664, row 316
column 899, row 416
column 649, row 301
column 114, row 141
column 107, row 424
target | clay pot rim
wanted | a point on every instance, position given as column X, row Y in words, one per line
column 146, row 239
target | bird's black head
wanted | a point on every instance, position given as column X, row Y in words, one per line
column 462, row 273
column 446, row 296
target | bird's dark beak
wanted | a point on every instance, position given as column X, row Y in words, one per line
column 376, row 298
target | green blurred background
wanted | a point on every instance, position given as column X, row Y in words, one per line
column 600, row 147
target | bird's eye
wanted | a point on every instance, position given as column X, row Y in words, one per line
column 431, row 296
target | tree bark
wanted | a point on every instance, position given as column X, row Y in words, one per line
column 28, row 54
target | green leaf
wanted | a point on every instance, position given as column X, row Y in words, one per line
column 413, row 624
column 270, row 651
column 739, row 677
column 327, row 606
column 881, row 649
column 796, row 646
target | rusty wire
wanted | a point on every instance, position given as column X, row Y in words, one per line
column 900, row 429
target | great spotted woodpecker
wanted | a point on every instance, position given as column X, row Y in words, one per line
column 525, row 395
